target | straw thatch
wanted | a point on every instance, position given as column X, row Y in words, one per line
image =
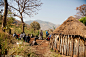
column 71, row 27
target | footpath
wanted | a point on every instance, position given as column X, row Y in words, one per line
column 43, row 50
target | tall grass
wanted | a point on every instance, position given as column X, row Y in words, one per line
column 3, row 43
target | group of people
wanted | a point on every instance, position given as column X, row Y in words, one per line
column 27, row 38
column 47, row 35
column 22, row 36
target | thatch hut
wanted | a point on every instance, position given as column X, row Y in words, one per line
column 72, row 37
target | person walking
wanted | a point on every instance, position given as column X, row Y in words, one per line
column 47, row 33
column 41, row 35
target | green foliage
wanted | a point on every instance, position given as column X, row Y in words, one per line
column 32, row 54
column 10, row 20
column 35, row 25
column 83, row 20
column 9, row 12
column 3, row 43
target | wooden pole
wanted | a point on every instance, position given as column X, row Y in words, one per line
column 66, row 45
column 53, row 42
column 69, row 45
column 61, row 44
column 58, row 44
column 84, row 47
column 78, row 46
column 72, row 46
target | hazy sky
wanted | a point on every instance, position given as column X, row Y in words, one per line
column 56, row 11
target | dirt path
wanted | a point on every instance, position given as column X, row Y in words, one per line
column 43, row 50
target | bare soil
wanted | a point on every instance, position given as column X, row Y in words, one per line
column 43, row 50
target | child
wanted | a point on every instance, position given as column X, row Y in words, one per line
column 33, row 42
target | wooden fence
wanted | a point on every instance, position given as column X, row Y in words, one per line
column 69, row 45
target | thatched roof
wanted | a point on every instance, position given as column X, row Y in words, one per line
column 71, row 27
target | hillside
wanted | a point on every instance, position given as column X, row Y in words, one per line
column 19, row 23
column 44, row 25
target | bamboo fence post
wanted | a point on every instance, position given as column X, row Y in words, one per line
column 63, row 44
column 84, row 47
column 69, row 46
column 78, row 46
column 66, row 45
column 59, row 43
column 72, row 46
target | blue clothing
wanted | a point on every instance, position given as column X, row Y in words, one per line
column 47, row 33
column 50, row 36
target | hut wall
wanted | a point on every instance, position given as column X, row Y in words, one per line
column 69, row 45
column 78, row 47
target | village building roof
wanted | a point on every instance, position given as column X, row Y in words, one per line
column 71, row 27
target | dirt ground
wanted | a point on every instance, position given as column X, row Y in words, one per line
column 43, row 50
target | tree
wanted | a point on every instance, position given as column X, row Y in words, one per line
column 83, row 20
column 28, row 7
column 5, row 14
column 35, row 25
column 82, row 10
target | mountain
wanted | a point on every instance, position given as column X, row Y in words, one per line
column 44, row 25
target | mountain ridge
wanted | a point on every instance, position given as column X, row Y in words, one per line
column 45, row 25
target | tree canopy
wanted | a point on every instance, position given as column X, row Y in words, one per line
column 83, row 20
column 81, row 10
column 35, row 25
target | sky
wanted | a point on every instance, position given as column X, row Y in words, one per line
column 56, row 11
